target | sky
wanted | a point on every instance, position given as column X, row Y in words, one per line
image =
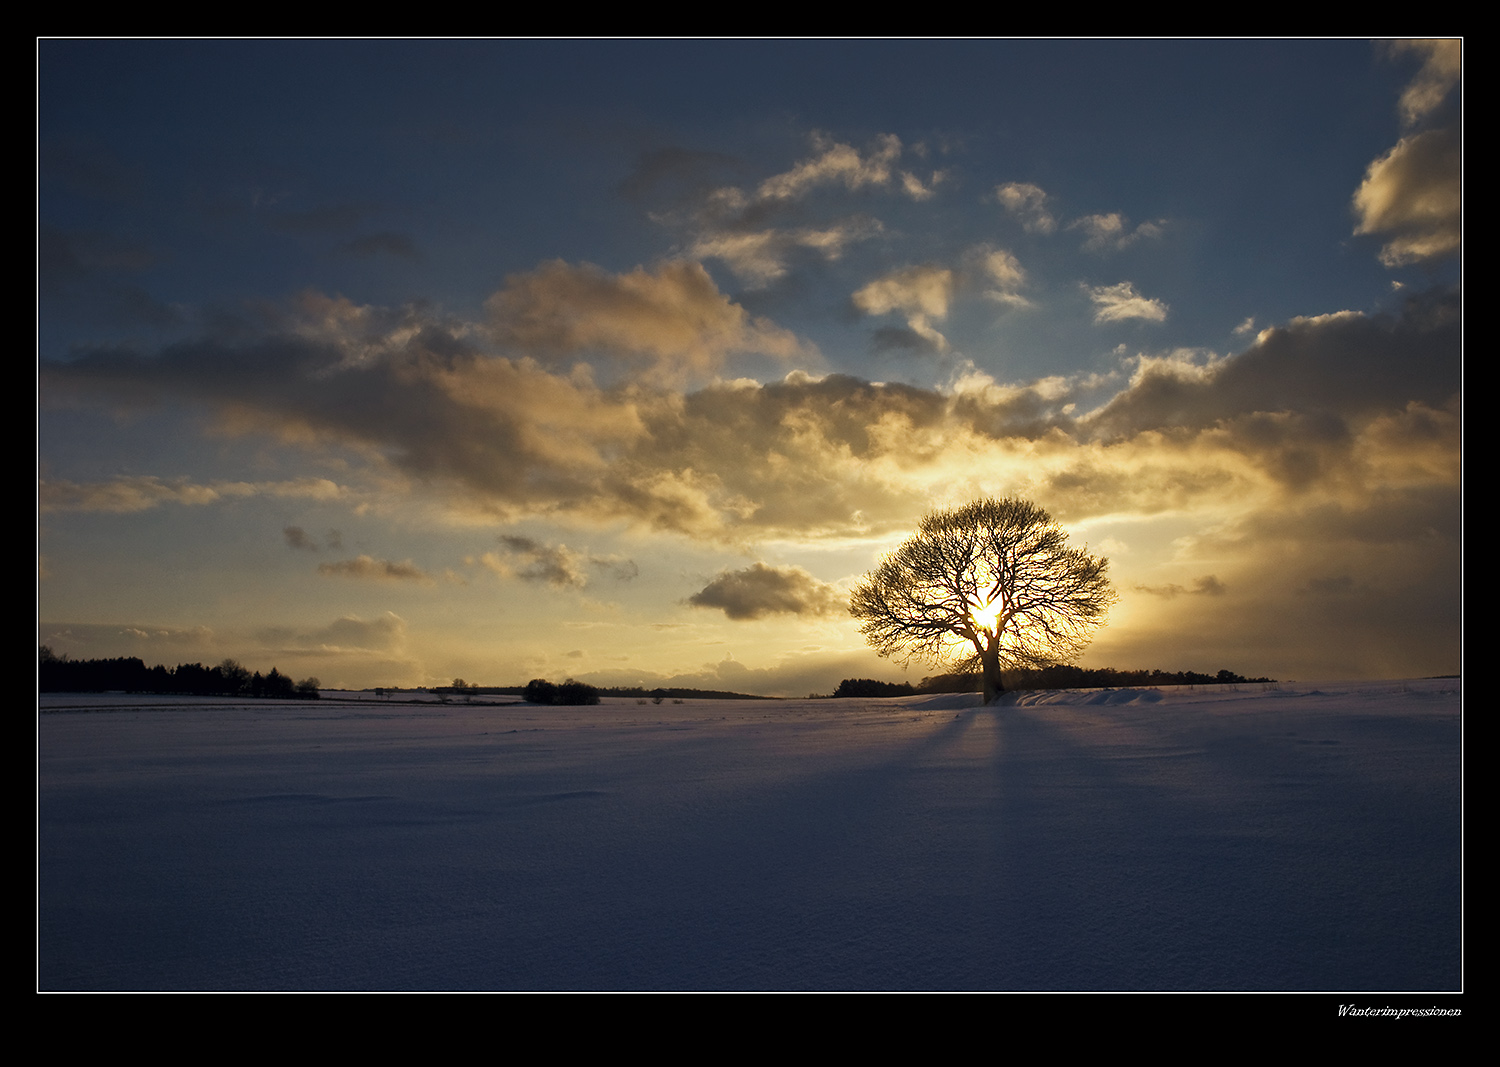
column 392, row 362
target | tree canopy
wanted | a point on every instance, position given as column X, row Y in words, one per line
column 991, row 583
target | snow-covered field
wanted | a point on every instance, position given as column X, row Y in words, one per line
column 1252, row 837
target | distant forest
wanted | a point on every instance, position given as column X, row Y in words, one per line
column 59, row 674
column 1060, row 676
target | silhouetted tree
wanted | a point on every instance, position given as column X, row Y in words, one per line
column 236, row 679
column 571, row 692
column 539, row 691
column 988, row 584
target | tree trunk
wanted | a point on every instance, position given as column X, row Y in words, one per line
column 993, row 687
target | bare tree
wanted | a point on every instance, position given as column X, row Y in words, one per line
column 993, row 583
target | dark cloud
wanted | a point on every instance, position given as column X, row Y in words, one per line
column 1206, row 585
column 556, row 565
column 900, row 339
column 84, row 270
column 1345, row 364
column 532, row 561
column 296, row 537
column 65, row 257
column 760, row 590
column 676, row 174
column 617, row 568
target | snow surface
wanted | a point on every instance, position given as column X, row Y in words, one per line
column 1292, row 837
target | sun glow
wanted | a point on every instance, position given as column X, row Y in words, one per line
column 985, row 616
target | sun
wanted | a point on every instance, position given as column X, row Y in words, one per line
column 985, row 616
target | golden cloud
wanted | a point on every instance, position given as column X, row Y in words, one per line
column 1414, row 192
column 1334, row 405
column 670, row 325
column 921, row 293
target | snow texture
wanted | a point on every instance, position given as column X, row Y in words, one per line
column 1211, row 838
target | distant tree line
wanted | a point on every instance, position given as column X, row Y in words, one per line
column 1069, row 676
column 541, row 691
column 1058, row 676
column 869, row 687
column 59, row 674
column 660, row 693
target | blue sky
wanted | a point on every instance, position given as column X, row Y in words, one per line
column 394, row 361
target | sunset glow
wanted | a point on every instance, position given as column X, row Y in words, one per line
column 392, row 362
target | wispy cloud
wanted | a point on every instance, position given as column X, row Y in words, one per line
column 1112, row 232
column 740, row 228
column 1205, row 585
column 1117, row 303
column 836, row 163
column 142, row 492
column 1004, row 274
column 1442, row 66
column 368, row 568
column 1028, row 204
column 762, row 256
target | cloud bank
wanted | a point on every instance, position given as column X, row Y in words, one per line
column 1328, row 448
column 1319, row 402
